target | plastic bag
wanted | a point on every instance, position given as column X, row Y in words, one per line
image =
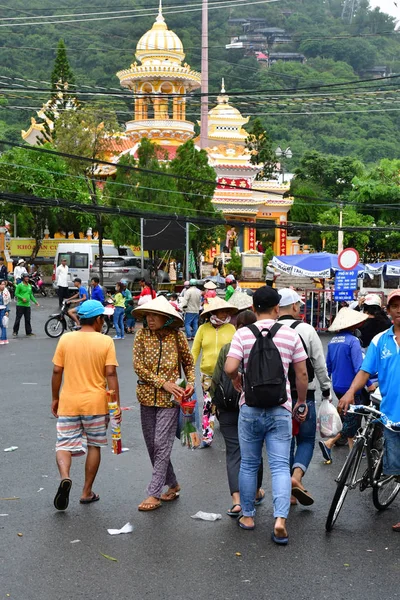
column 203, row 516
column 5, row 321
column 329, row 422
column 187, row 428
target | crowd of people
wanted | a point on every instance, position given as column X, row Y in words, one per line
column 260, row 366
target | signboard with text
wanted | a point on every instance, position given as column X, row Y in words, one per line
column 345, row 285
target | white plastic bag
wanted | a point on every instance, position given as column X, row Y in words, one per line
column 145, row 299
column 5, row 321
column 329, row 422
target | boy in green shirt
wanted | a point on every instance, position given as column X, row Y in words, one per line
column 24, row 296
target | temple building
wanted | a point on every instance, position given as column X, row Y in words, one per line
column 256, row 200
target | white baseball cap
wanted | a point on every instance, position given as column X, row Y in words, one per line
column 289, row 296
column 373, row 300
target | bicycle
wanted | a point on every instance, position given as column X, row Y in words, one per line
column 369, row 439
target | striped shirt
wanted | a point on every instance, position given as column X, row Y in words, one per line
column 286, row 340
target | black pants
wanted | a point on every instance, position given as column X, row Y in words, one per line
column 63, row 293
column 26, row 312
column 228, row 424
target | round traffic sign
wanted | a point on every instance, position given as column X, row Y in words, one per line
column 348, row 259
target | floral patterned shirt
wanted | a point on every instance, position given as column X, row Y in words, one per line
column 155, row 361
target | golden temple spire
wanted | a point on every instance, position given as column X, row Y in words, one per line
column 223, row 83
column 223, row 98
column 160, row 18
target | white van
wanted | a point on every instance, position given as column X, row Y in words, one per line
column 80, row 257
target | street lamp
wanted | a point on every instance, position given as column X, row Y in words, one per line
column 283, row 154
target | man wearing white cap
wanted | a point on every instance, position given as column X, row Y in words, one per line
column 300, row 456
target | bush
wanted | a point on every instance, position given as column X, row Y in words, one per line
column 234, row 266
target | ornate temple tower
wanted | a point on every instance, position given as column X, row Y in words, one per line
column 159, row 85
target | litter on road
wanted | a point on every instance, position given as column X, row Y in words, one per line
column 203, row 516
column 128, row 528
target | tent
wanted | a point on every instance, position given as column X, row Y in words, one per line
column 390, row 269
column 319, row 264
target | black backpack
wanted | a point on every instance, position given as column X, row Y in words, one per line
column 265, row 380
column 225, row 396
column 309, row 365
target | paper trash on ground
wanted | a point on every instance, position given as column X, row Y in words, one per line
column 203, row 516
column 128, row 528
column 11, row 449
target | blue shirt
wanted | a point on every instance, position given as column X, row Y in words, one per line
column 97, row 294
column 383, row 357
column 344, row 360
column 83, row 292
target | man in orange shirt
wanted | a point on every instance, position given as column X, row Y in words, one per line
column 87, row 361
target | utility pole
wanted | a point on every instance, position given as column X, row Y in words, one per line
column 204, row 76
column 340, row 230
column 349, row 9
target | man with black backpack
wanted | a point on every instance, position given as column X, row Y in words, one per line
column 304, row 436
column 264, row 351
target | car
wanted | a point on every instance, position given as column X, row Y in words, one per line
column 116, row 268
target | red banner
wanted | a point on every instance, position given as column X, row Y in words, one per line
column 252, row 239
column 282, row 240
column 224, row 181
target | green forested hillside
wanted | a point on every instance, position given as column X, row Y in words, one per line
column 362, row 119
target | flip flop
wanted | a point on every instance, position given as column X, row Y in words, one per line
column 260, row 499
column 281, row 541
column 302, row 496
column 148, row 506
column 234, row 513
column 94, row 498
column 61, row 499
column 396, row 528
column 326, row 452
column 243, row 526
column 172, row 495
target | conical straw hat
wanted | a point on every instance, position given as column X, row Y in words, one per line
column 218, row 304
column 346, row 318
column 210, row 285
column 241, row 300
column 160, row 306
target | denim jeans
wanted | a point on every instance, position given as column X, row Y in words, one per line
column 191, row 324
column 3, row 330
column 391, row 457
column 119, row 320
column 302, row 447
column 274, row 426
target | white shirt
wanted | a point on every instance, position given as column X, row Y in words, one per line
column 18, row 272
column 62, row 276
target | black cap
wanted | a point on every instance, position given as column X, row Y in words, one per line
column 265, row 297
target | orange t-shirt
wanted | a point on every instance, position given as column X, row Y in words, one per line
column 84, row 357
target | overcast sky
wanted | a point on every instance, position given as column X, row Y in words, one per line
column 388, row 6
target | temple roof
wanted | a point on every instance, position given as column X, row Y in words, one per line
column 160, row 43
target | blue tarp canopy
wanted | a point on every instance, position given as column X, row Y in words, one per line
column 320, row 264
column 390, row 269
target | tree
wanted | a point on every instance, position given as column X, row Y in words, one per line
column 62, row 72
column 380, row 186
column 33, row 173
column 85, row 133
column 358, row 240
column 261, row 149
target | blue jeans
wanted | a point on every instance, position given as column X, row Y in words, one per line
column 3, row 330
column 391, row 457
column 119, row 320
column 274, row 426
column 301, row 456
column 191, row 324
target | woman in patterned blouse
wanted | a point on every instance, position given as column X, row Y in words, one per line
column 159, row 352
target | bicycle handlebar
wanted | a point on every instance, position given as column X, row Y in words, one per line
column 368, row 410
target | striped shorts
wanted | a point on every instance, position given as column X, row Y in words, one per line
column 74, row 434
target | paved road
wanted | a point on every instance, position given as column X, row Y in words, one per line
column 168, row 555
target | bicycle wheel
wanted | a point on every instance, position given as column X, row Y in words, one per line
column 347, row 477
column 54, row 328
column 385, row 488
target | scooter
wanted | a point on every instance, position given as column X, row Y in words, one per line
column 61, row 321
column 37, row 283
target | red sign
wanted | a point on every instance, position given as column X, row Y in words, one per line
column 225, row 181
column 348, row 259
column 252, row 239
column 282, row 240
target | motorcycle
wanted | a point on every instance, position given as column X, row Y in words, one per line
column 37, row 283
column 60, row 322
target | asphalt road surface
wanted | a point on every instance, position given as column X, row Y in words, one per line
column 48, row 555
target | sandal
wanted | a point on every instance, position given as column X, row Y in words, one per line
column 93, row 498
column 148, row 506
column 396, row 527
column 171, row 494
column 61, row 498
column 302, row 496
column 243, row 526
column 234, row 513
column 260, row 498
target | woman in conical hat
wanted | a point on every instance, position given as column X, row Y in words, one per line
column 159, row 352
column 343, row 361
column 210, row 337
column 209, row 291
